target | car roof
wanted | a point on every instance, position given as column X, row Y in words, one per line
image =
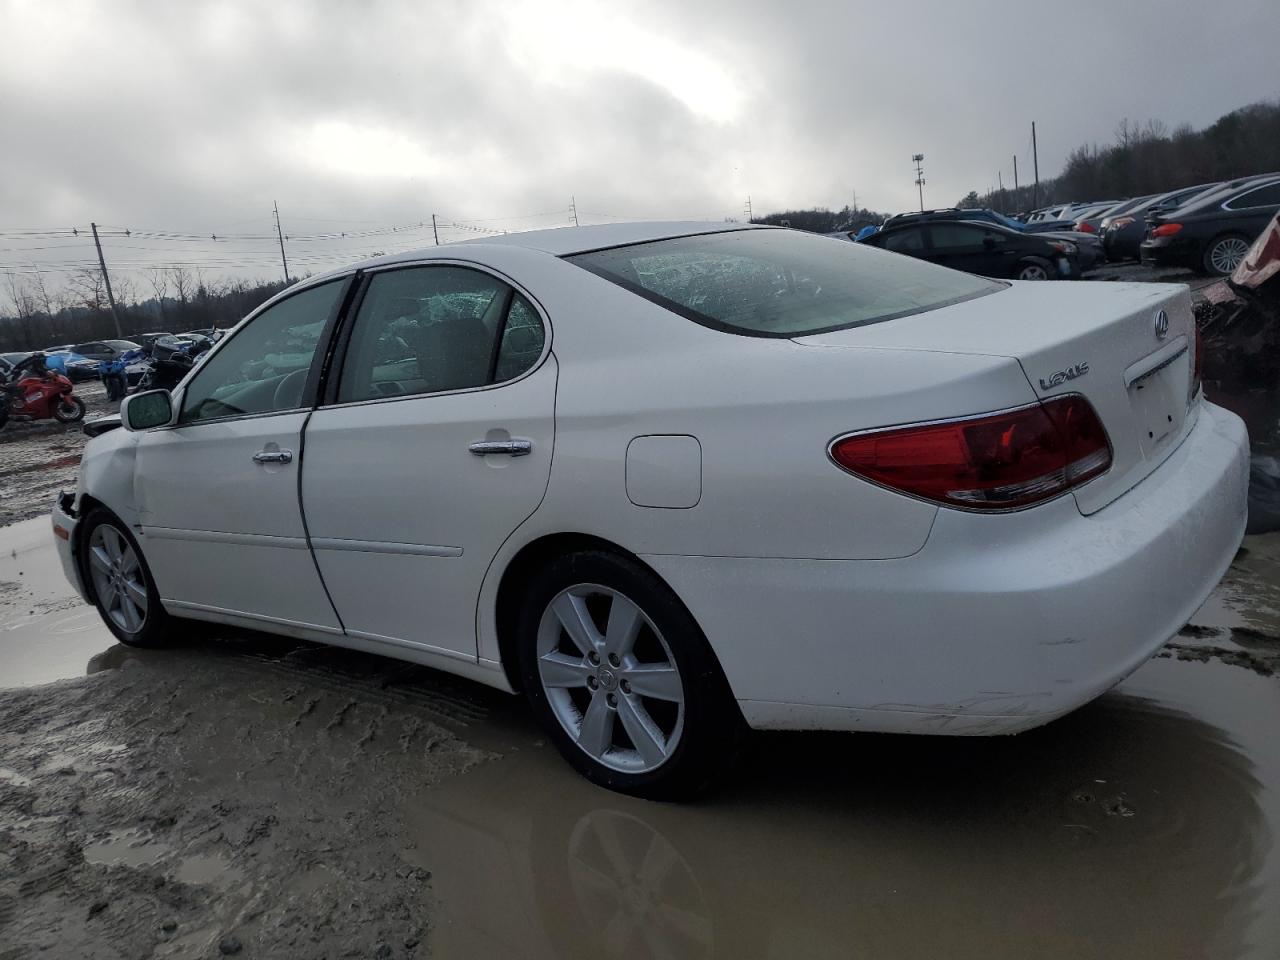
column 1227, row 190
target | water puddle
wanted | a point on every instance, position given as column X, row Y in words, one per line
column 1143, row 825
column 136, row 848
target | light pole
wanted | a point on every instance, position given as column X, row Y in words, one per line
column 918, row 160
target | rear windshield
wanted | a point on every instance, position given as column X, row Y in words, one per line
column 781, row 283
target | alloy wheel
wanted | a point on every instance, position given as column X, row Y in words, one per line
column 610, row 678
column 1227, row 254
column 118, row 578
column 1033, row 271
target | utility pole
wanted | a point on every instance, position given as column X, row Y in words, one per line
column 747, row 209
column 1000, row 180
column 280, row 236
column 1015, row 178
column 573, row 209
column 918, row 160
column 106, row 280
column 1035, row 160
column 434, row 232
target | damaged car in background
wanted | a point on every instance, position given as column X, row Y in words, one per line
column 676, row 481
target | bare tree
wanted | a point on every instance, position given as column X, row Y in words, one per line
column 158, row 279
column 24, row 308
column 88, row 289
column 183, row 284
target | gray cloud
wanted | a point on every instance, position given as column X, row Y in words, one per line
column 195, row 117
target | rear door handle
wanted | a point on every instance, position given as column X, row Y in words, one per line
column 512, row 448
column 273, row 456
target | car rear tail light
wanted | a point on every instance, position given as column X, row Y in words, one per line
column 998, row 461
column 1085, row 227
column 1167, row 230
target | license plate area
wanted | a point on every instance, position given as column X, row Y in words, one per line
column 1159, row 404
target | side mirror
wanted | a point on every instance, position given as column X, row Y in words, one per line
column 142, row 411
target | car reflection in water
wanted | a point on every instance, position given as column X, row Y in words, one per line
column 1130, row 829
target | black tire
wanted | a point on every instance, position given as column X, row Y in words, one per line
column 1031, row 265
column 155, row 628
column 74, row 410
column 4, row 410
column 1218, row 249
column 712, row 733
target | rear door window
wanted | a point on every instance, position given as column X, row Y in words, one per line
column 780, row 283
column 904, row 241
column 1268, row 196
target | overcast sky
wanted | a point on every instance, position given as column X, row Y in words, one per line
column 193, row 117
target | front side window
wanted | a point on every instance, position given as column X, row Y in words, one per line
column 905, row 241
column 948, row 236
column 781, row 283
column 433, row 329
column 264, row 367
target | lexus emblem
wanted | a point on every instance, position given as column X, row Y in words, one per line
column 1162, row 324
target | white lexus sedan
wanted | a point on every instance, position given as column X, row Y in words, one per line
column 673, row 481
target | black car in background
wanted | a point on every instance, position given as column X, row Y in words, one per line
column 148, row 340
column 1088, row 247
column 982, row 248
column 1212, row 233
column 1123, row 230
column 104, row 349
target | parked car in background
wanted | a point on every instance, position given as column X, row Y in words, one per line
column 987, row 249
column 1212, row 233
column 190, row 344
column 71, row 364
column 147, row 340
column 1089, row 249
column 1124, row 228
column 104, row 349
column 10, row 360
column 212, row 334
column 1089, row 220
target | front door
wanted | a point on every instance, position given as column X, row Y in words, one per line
column 434, row 445
column 218, row 492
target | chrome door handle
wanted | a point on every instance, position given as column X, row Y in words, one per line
column 512, row 448
column 273, row 456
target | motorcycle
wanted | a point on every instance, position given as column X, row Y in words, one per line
column 40, row 397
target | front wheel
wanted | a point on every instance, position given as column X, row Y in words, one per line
column 69, row 410
column 120, row 582
column 623, row 680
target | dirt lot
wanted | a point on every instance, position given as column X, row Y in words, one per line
column 239, row 795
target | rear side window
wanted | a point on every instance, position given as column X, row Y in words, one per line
column 1268, row 196
column 433, row 329
column 780, row 283
column 904, row 241
column 947, row 236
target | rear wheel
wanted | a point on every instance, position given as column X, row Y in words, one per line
column 1034, row 269
column 120, row 582
column 1223, row 255
column 619, row 673
column 69, row 410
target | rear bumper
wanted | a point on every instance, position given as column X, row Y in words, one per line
column 1170, row 252
column 999, row 624
column 64, row 538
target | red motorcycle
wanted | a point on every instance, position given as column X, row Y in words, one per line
column 37, row 397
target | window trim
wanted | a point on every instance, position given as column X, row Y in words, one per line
column 328, row 397
column 1253, row 189
column 309, row 394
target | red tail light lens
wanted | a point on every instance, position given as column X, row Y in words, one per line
column 1085, row 226
column 999, row 461
column 1167, row 230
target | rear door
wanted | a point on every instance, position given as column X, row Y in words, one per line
column 433, row 445
column 218, row 492
column 963, row 246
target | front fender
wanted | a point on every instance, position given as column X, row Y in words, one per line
column 107, row 475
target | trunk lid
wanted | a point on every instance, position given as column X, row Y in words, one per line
column 1100, row 340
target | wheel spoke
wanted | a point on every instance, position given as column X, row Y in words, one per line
column 111, row 541
column 572, row 613
column 132, row 618
column 128, row 562
column 657, row 680
column 596, row 735
column 99, row 558
column 563, row 670
column 644, row 733
column 107, row 595
column 137, row 594
column 625, row 621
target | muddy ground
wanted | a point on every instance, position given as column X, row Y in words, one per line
column 241, row 795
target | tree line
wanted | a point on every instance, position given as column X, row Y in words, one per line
column 172, row 299
column 1146, row 158
column 823, row 220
